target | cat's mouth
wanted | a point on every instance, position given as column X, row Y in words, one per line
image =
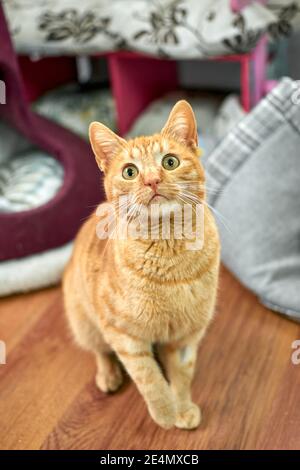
column 157, row 197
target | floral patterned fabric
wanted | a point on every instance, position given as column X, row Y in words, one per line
column 178, row 29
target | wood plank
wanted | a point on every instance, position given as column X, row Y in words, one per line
column 19, row 313
column 245, row 383
column 281, row 430
column 42, row 375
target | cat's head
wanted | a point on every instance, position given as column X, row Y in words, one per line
column 162, row 168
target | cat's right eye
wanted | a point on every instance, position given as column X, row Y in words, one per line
column 130, row 172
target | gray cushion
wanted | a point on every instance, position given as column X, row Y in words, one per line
column 256, row 171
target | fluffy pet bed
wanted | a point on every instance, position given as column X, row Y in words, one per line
column 29, row 177
column 75, row 109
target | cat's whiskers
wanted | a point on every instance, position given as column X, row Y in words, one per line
column 219, row 216
column 194, row 185
column 118, row 207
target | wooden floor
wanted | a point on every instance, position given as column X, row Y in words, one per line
column 246, row 383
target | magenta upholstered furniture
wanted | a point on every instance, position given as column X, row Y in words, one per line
column 55, row 223
column 138, row 79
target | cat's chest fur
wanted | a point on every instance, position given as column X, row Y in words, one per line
column 165, row 291
column 171, row 311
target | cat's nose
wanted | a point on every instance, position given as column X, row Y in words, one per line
column 152, row 182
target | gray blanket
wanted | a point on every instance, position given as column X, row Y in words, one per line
column 255, row 173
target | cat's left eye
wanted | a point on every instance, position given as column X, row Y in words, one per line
column 170, row 162
column 130, row 172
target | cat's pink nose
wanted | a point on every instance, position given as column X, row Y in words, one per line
column 152, row 182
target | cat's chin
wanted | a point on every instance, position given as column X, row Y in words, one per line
column 164, row 205
column 158, row 199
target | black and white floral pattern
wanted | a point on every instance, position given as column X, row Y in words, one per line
column 80, row 27
column 71, row 24
column 180, row 29
column 285, row 13
column 246, row 39
column 161, row 23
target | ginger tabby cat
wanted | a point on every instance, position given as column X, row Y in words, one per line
column 123, row 296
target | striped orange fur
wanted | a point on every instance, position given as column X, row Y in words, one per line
column 123, row 296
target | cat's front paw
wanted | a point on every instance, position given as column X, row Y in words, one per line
column 189, row 417
column 164, row 415
column 110, row 380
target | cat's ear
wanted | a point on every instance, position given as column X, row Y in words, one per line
column 105, row 144
column 181, row 124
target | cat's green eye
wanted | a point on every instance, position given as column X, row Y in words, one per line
column 170, row 162
column 130, row 172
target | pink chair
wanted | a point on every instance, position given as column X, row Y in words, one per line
column 137, row 79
